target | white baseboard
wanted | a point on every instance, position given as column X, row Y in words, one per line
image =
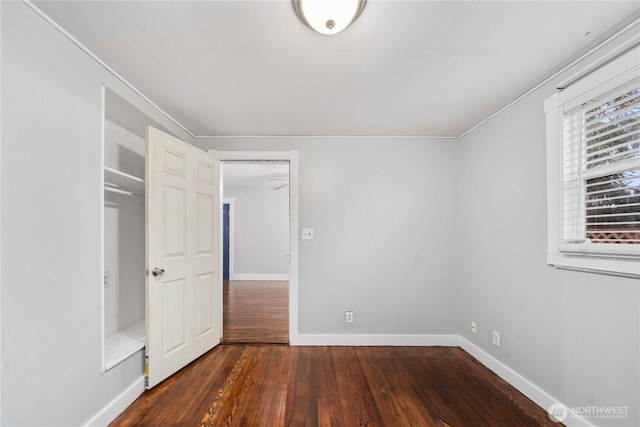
column 372, row 340
column 258, row 276
column 117, row 405
column 523, row 385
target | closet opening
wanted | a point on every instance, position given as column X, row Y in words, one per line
column 123, row 229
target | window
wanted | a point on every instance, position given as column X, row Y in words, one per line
column 593, row 167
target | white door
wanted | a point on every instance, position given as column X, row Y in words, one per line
column 184, row 297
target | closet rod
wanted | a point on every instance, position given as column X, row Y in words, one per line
column 118, row 191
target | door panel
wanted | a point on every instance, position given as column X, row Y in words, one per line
column 184, row 303
column 206, row 174
column 174, row 162
column 205, row 304
column 206, row 216
column 174, row 226
column 174, row 310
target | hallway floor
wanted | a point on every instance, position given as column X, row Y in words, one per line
column 256, row 312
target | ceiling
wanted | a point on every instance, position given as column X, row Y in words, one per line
column 404, row 68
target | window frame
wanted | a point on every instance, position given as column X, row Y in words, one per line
column 616, row 259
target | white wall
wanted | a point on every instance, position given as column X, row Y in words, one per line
column 51, row 210
column 261, row 232
column 575, row 335
column 383, row 214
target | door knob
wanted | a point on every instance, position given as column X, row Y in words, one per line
column 157, row 272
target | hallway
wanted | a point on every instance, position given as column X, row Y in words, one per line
column 256, row 312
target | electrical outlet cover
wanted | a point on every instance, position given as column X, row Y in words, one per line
column 348, row 316
column 496, row 338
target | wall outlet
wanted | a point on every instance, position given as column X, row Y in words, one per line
column 348, row 316
column 474, row 327
column 496, row 338
column 106, row 279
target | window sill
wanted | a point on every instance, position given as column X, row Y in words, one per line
column 625, row 267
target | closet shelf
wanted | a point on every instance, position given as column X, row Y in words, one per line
column 120, row 182
column 124, row 344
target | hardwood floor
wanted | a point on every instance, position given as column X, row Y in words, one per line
column 256, row 312
column 275, row 385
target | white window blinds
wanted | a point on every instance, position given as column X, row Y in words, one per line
column 601, row 169
column 593, row 170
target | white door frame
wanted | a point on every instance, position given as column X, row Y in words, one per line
column 291, row 157
column 231, row 201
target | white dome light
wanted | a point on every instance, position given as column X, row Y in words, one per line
column 328, row 16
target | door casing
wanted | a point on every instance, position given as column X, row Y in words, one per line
column 231, row 201
column 292, row 157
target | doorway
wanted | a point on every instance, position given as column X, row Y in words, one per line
column 255, row 251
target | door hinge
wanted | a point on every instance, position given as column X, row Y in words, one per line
column 146, row 372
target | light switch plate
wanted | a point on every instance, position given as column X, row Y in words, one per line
column 307, row 234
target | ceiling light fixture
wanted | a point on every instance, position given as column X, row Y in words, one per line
column 328, row 16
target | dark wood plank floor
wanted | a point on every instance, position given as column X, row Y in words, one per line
column 275, row 385
column 256, row 312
